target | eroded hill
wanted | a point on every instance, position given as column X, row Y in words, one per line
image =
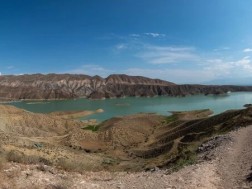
column 133, row 143
column 65, row 86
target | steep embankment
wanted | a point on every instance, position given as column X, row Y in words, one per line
column 62, row 86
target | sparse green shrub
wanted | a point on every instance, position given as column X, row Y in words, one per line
column 169, row 119
column 184, row 158
column 108, row 161
column 91, row 127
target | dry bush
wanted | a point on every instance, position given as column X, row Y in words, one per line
column 75, row 166
column 15, row 156
column 2, row 162
column 58, row 186
column 42, row 168
column 20, row 157
column 2, row 158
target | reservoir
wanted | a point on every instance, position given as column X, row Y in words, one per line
column 131, row 105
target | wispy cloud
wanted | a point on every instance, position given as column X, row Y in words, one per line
column 179, row 64
column 211, row 70
column 121, row 46
column 218, row 67
column 247, row 50
column 155, row 35
column 236, row 68
column 173, row 75
column 222, row 49
column 186, row 63
column 10, row 67
column 166, row 54
column 245, row 64
column 134, row 35
column 147, row 34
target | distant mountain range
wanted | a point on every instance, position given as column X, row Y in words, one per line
column 247, row 81
column 67, row 86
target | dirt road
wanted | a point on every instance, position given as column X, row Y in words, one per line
column 234, row 160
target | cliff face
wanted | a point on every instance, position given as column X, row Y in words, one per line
column 62, row 86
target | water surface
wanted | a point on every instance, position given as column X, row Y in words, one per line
column 130, row 105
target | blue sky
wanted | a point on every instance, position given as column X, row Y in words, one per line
column 182, row 41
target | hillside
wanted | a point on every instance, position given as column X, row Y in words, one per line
column 65, row 86
column 135, row 142
column 227, row 166
column 50, row 143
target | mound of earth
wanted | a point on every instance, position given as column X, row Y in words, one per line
column 19, row 122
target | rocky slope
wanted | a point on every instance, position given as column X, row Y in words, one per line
column 130, row 143
column 63, row 86
column 229, row 167
column 46, row 158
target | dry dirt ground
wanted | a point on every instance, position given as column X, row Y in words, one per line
column 229, row 166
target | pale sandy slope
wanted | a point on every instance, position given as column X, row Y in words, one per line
column 227, row 170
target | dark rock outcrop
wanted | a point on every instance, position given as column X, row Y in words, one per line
column 64, row 86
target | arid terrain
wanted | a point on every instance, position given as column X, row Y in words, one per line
column 129, row 94
column 67, row 86
column 142, row 150
column 224, row 163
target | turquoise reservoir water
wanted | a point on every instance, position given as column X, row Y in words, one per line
column 130, row 105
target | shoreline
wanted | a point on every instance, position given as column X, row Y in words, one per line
column 7, row 100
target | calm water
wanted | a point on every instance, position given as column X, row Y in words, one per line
column 131, row 105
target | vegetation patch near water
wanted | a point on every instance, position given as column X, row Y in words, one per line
column 91, row 127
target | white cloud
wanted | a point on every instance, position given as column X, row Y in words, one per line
column 212, row 69
column 222, row 68
column 167, row 54
column 184, row 64
column 245, row 64
column 179, row 64
column 155, row 34
column 147, row 34
column 247, row 50
column 10, row 67
column 134, row 35
column 202, row 67
column 181, row 76
column 121, row 46
column 218, row 67
column 222, row 49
